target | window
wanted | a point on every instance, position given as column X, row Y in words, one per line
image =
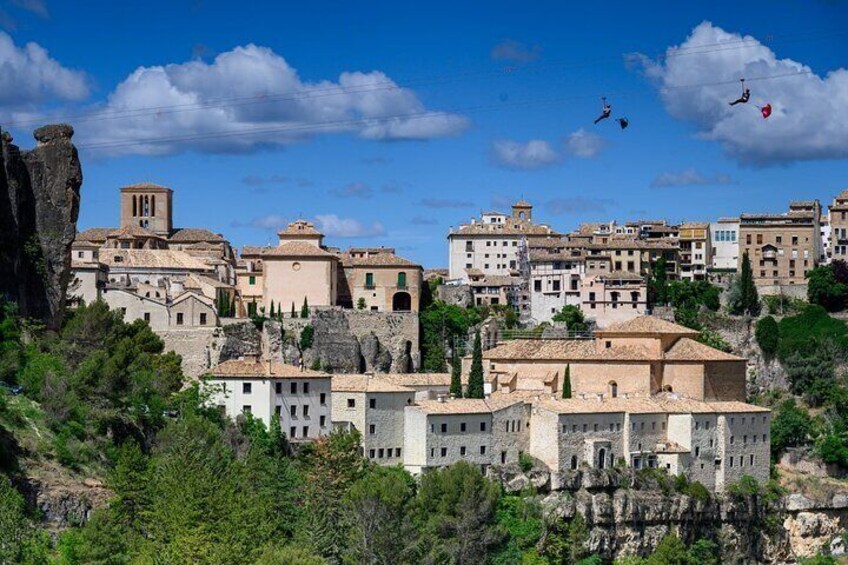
column 482, row 450
column 179, row 318
column 369, row 280
column 372, row 403
column 372, row 429
column 305, row 431
column 293, row 387
column 371, row 454
column 397, row 452
column 351, row 403
column 322, row 421
column 278, row 387
column 697, row 451
column 305, row 388
column 251, row 280
column 323, row 398
column 246, row 408
column 537, row 285
column 203, row 318
column 462, row 451
column 444, row 451
column 306, row 411
column 293, row 410
column 292, row 432
column 380, row 453
column 462, row 426
column 147, row 317
column 401, row 280
column 482, row 426
column 246, row 388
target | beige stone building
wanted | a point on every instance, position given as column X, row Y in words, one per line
column 490, row 245
column 695, row 251
column 838, row 221
column 374, row 407
column 301, row 268
column 613, row 298
column 300, row 398
column 782, row 248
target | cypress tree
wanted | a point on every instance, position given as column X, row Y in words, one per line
column 566, row 382
column 475, row 377
column 304, row 310
column 233, row 306
column 456, row 374
column 749, row 289
column 273, row 313
column 294, row 312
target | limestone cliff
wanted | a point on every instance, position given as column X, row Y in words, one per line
column 39, row 206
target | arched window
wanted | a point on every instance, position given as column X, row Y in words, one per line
column 602, row 458
column 145, row 207
column 613, row 389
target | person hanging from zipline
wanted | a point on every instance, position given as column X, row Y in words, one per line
column 606, row 112
column 746, row 95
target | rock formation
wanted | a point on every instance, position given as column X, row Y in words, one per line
column 39, row 206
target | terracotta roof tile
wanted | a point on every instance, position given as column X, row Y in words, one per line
column 299, row 227
column 290, row 249
column 384, row 258
column 646, row 325
column 249, row 368
column 565, row 350
column 465, row 405
column 97, row 235
column 190, row 235
column 366, row 383
column 686, row 349
column 151, row 258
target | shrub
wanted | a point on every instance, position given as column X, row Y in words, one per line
column 307, row 335
column 525, row 461
column 767, row 334
column 790, row 427
column 360, row 304
column 825, row 290
column 573, row 318
column 809, row 331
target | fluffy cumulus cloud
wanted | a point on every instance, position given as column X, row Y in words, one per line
column 809, row 112
column 251, row 97
column 689, row 177
column 29, row 76
column 534, row 154
column 333, row 226
column 584, row 144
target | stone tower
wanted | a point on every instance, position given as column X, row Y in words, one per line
column 149, row 206
column 522, row 210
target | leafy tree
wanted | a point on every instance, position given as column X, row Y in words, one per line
column 833, row 450
column 289, row 555
column 475, row 375
column 714, row 340
column 456, row 374
column 670, row 551
column 744, row 298
column 811, row 375
column 566, row 382
column 566, row 542
column 694, row 294
column 360, row 304
column 704, row 552
column 304, row 310
column 658, row 283
column 376, row 508
column 767, row 334
column 307, row 335
column 522, row 519
column 825, row 290
column 442, row 325
column 810, row 331
column 573, row 317
column 454, row 513
column 791, row 426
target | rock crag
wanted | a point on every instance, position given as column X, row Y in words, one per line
column 39, row 206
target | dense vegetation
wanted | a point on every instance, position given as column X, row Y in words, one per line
column 827, row 286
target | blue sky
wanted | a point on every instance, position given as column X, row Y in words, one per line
column 387, row 124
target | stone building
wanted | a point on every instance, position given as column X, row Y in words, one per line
column 299, row 397
column 482, row 432
column 556, row 273
column 695, row 251
column 490, row 245
column 301, row 268
column 838, row 222
column 374, row 407
column 724, row 241
column 613, row 298
column 782, row 248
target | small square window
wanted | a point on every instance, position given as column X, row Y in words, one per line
column 372, row 403
column 444, row 428
column 482, row 426
column 372, row 429
column 293, row 388
column 351, row 403
column 482, row 450
column 246, row 388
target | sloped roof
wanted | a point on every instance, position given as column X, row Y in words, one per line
column 152, row 259
column 190, row 235
column 146, row 186
column 274, row 369
column 290, row 249
column 366, row 383
column 132, row 231
column 384, row 258
column 565, row 350
column 647, row 325
column 686, row 349
column 466, row 405
column 417, row 379
column 96, row 235
column 299, row 227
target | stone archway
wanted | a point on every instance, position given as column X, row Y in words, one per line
column 401, row 302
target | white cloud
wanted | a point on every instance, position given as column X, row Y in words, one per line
column 809, row 113
column 333, row 226
column 584, row 144
column 534, row 154
column 251, row 97
column 37, row 7
column 29, row 76
column 688, row 177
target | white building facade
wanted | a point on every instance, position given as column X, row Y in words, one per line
column 724, row 238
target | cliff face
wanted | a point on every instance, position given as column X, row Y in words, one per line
column 39, row 206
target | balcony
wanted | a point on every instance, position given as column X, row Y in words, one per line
column 770, row 254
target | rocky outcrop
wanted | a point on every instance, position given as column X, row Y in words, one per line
column 39, row 206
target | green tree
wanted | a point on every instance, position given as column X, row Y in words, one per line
column 565, row 541
column 573, row 318
column 360, row 304
column 475, row 375
column 825, row 290
column 454, row 514
column 767, row 334
column 670, row 551
column 791, row 426
column 566, row 382
column 522, row 519
column 293, row 311
column 304, row 310
column 376, row 507
column 456, row 374
column 744, row 298
column 658, row 283
column 273, row 313
column 289, row 555
column 307, row 335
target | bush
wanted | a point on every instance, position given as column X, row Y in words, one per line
column 307, row 335
column 782, row 305
column 809, row 331
column 573, row 318
column 525, row 461
column 714, row 340
column 791, row 426
column 767, row 334
column 825, row 290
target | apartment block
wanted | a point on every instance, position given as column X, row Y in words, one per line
column 724, row 241
column 838, row 227
column 695, row 251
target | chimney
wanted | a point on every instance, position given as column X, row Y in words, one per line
column 441, row 397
